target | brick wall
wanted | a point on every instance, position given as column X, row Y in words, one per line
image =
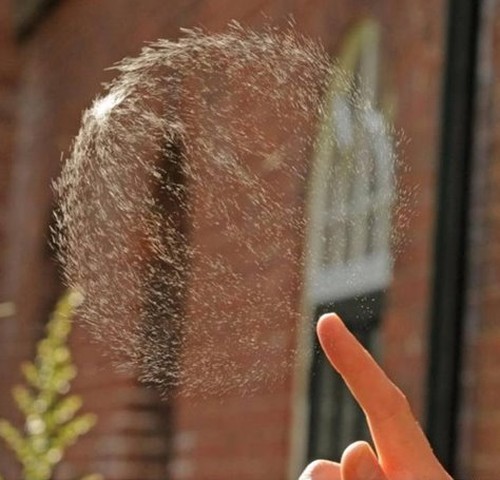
column 412, row 57
column 414, row 49
column 63, row 61
column 9, row 68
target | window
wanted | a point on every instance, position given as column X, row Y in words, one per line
column 349, row 259
column 351, row 187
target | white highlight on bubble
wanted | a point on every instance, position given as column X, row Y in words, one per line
column 103, row 106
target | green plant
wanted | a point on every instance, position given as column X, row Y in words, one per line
column 52, row 422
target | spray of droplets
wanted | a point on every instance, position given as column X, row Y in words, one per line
column 182, row 212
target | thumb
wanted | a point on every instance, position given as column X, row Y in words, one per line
column 360, row 463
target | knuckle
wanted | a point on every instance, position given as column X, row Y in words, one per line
column 401, row 401
column 396, row 405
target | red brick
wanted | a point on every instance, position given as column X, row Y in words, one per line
column 246, row 438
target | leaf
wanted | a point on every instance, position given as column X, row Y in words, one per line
column 30, row 373
column 69, row 433
column 13, row 438
column 63, row 411
column 24, row 399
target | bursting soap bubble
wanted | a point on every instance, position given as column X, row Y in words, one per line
column 182, row 211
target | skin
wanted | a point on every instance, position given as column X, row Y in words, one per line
column 402, row 451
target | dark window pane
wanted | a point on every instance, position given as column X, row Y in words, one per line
column 336, row 420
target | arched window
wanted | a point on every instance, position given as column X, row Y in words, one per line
column 351, row 186
column 349, row 256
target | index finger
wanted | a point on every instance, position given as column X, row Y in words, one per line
column 400, row 443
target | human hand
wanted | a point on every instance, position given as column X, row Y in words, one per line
column 402, row 451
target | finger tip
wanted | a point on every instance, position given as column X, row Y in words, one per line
column 328, row 323
column 359, row 462
column 355, row 450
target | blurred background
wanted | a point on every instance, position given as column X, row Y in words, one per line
column 430, row 68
